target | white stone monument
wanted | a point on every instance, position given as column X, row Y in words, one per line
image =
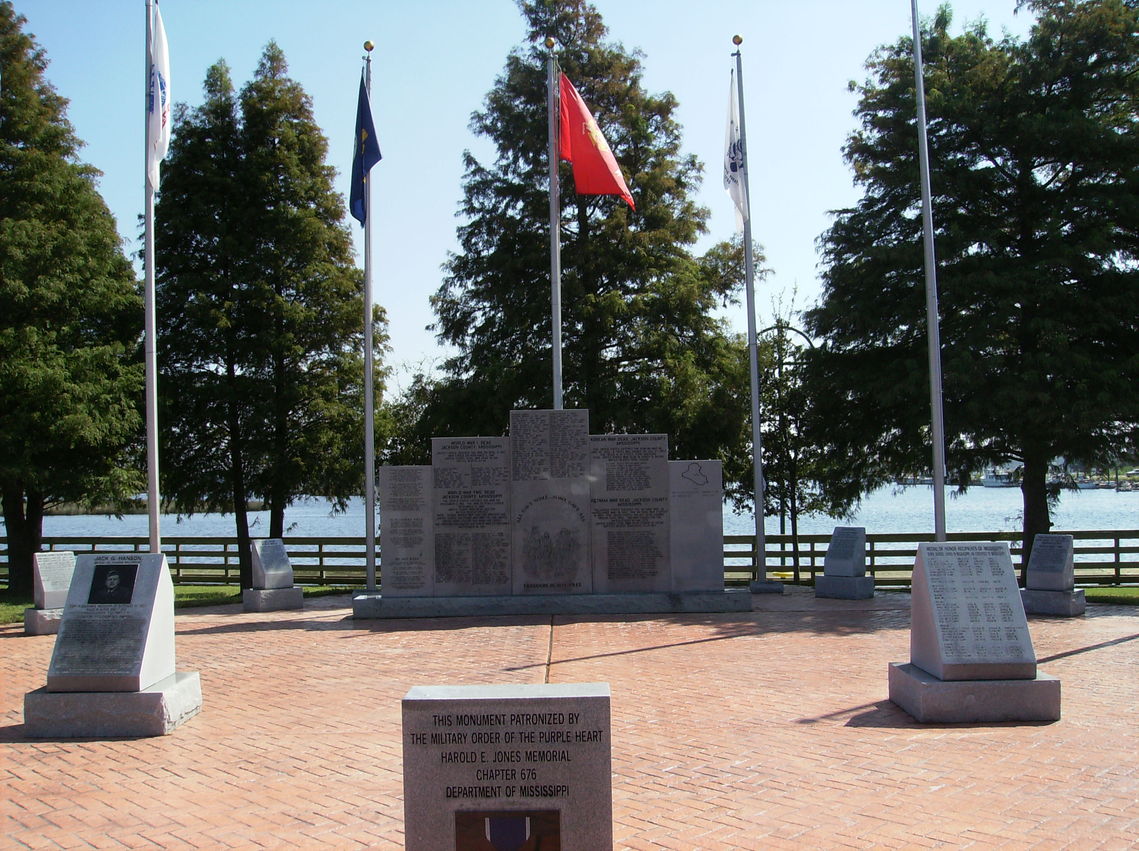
column 550, row 520
column 52, row 572
column 971, row 655
column 1051, row 582
column 112, row 669
column 273, row 589
column 696, row 525
column 508, row 764
column 844, row 566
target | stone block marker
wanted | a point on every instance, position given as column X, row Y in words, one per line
column 1051, row 582
column 971, row 655
column 51, row 581
column 273, row 588
column 844, row 567
column 511, row 765
column 112, row 668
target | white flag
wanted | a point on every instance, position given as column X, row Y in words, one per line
column 158, row 100
column 735, row 165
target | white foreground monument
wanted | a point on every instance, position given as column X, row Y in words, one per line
column 551, row 519
column 971, row 656
column 273, row 588
column 112, row 669
column 1050, row 588
column 51, row 580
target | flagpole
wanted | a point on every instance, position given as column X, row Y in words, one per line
column 369, row 379
column 553, row 107
column 153, row 498
column 931, row 312
column 761, row 583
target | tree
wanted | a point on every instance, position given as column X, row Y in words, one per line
column 261, row 308
column 70, row 315
column 641, row 348
column 1032, row 146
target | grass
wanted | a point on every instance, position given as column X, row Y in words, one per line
column 191, row 596
column 185, row 597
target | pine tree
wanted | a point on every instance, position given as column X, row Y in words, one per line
column 261, row 306
column 1032, row 146
column 70, row 315
column 642, row 350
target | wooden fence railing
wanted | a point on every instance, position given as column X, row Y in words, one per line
column 1105, row 557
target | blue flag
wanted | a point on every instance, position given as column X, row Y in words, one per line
column 366, row 155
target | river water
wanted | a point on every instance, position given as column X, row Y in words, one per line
column 891, row 509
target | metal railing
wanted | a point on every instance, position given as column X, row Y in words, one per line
column 1105, row 557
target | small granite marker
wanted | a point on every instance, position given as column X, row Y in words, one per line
column 508, row 764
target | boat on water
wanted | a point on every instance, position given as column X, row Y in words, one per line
column 995, row 478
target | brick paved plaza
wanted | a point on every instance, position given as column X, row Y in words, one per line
column 769, row 729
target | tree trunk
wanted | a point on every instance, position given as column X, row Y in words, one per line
column 1034, row 491
column 238, row 488
column 23, row 520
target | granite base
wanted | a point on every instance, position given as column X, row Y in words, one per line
column 272, row 599
column 766, row 586
column 845, row 587
column 1066, row 604
column 933, row 701
column 155, row 711
column 376, row 605
column 42, row 621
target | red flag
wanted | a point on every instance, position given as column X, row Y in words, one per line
column 595, row 170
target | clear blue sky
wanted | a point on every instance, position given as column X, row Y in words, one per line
column 433, row 65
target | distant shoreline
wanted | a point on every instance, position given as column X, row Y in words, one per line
column 74, row 509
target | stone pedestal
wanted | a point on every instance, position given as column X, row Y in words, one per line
column 42, row 621
column 845, row 587
column 933, row 701
column 154, row 711
column 272, row 599
column 377, row 605
column 1065, row 604
column 765, row 586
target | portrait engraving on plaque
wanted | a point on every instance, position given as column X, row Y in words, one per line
column 112, row 583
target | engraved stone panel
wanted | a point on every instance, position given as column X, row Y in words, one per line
column 117, row 632
column 549, row 453
column 1051, row 567
column 271, row 566
column 407, row 538
column 968, row 622
column 629, row 512
column 471, row 516
column 53, row 572
column 515, row 766
column 846, row 553
column 696, row 525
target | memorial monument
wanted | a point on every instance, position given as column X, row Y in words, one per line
column 273, row 589
column 971, row 656
column 513, row 765
column 112, row 669
column 844, row 566
column 551, row 519
column 51, row 579
column 1050, row 588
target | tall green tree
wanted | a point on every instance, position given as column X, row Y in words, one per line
column 1035, row 176
column 261, row 306
column 642, row 349
column 70, row 314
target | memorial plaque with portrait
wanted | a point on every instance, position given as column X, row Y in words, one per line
column 117, row 630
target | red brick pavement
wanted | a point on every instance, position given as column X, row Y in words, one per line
column 770, row 729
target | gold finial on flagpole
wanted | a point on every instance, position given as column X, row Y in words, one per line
column 737, row 40
column 369, row 46
column 550, row 42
